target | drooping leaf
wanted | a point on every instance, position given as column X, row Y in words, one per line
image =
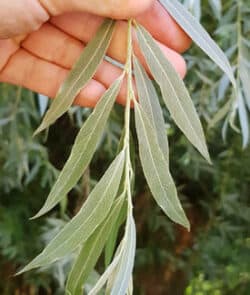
column 174, row 92
column 83, row 148
column 222, row 112
column 111, row 243
column 156, row 170
column 81, row 73
column 91, row 251
column 223, row 86
column 245, row 80
column 126, row 263
column 150, row 104
column 130, row 287
column 199, row 35
column 243, row 120
column 81, row 227
column 216, row 7
column 105, row 276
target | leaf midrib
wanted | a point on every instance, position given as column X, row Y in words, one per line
column 170, row 84
column 86, row 144
column 146, row 90
column 157, row 170
column 92, row 248
column 92, row 213
column 131, row 245
column 83, row 70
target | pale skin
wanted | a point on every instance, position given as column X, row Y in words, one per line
column 41, row 40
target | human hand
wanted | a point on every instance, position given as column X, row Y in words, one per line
column 39, row 47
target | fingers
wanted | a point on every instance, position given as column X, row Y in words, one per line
column 118, row 9
column 163, row 27
column 53, row 49
column 53, row 45
column 20, row 17
column 64, row 50
column 156, row 20
column 7, row 48
column 31, row 72
column 75, row 24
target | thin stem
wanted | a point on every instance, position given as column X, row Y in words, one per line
column 128, row 70
column 239, row 41
column 128, row 166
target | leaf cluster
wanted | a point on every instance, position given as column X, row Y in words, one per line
column 112, row 195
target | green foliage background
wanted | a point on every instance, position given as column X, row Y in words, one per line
column 213, row 258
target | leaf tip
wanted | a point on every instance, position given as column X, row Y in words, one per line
column 184, row 222
column 20, row 272
column 39, row 129
column 207, row 158
column 41, row 212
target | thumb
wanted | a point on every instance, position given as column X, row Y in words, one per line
column 118, row 9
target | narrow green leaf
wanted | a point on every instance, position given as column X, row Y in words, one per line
column 245, row 80
column 216, row 7
column 81, row 227
column 174, row 92
column 130, row 287
column 83, row 148
column 105, row 276
column 125, row 266
column 156, row 169
column 199, row 35
column 150, row 104
column 111, row 243
column 92, row 250
column 81, row 73
column 222, row 112
column 243, row 117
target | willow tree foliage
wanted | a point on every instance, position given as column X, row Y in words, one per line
column 109, row 206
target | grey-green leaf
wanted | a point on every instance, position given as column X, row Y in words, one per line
column 81, row 73
column 243, row 117
column 91, row 251
column 125, row 266
column 222, row 112
column 83, row 148
column 81, row 227
column 156, row 170
column 174, row 92
column 199, row 35
column 111, row 243
column 150, row 104
column 245, row 78
column 106, row 275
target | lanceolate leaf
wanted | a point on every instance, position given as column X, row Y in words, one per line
column 150, row 104
column 93, row 212
column 243, row 119
column 81, row 74
column 156, row 169
column 222, row 112
column 199, row 35
column 91, row 251
column 130, row 287
column 111, row 243
column 125, row 266
column 245, row 80
column 83, row 149
column 105, row 276
column 174, row 92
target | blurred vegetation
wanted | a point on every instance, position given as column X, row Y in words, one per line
column 213, row 259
